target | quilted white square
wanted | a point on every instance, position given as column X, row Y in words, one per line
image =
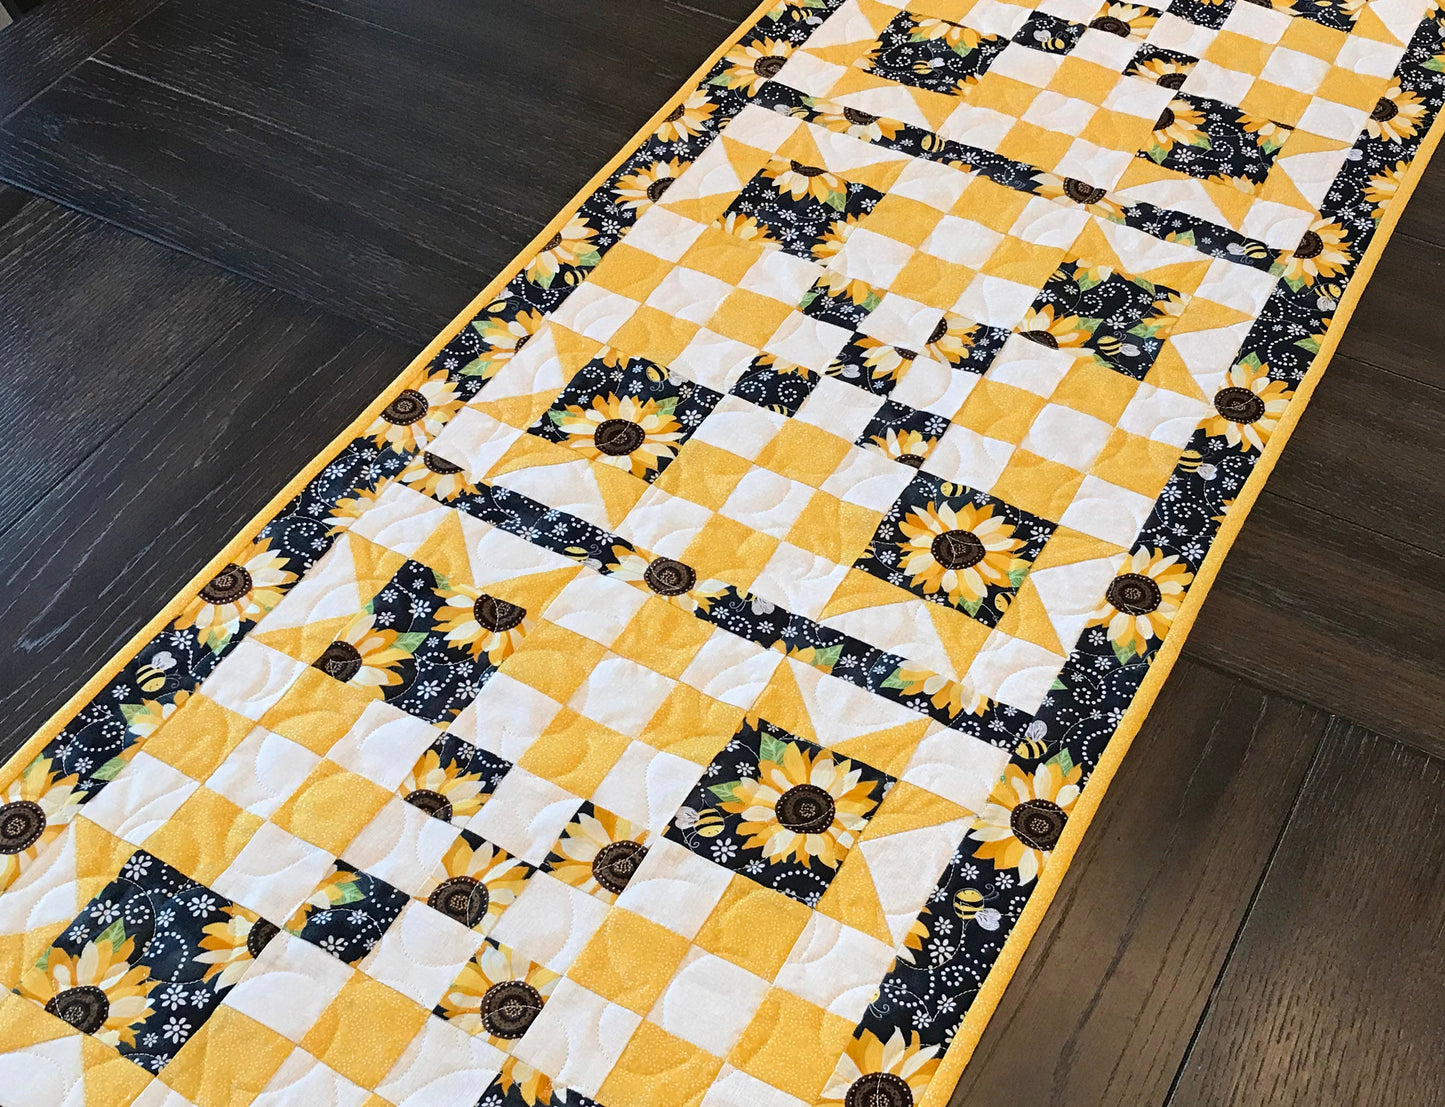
column 550, row 922
column 303, row 1079
column 709, row 1002
column 273, row 873
column 261, row 773
column 443, row 1067
column 506, row 717
column 525, row 815
column 675, row 888
column 138, row 802
column 291, row 983
column 767, row 502
column 621, row 694
column 595, row 606
column 835, row 967
column 730, row 668
column 421, row 953
column 646, row 785
column 402, row 845
column 577, row 1038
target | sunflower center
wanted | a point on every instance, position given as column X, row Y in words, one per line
column 667, row 577
column 617, row 437
column 341, row 660
column 879, row 1089
column 905, row 353
column 1166, row 120
column 913, row 461
column 439, row 465
column 407, row 408
column 433, row 803
column 1385, row 110
column 807, row 170
column 1239, row 405
column 1111, row 25
column 1172, row 80
column 85, row 1007
column 517, row 345
column 497, row 616
column 806, row 809
column 859, row 118
column 1081, row 192
column 227, row 586
column 940, row 329
column 657, row 188
column 1310, row 246
column 21, row 824
column 1134, row 594
column 677, row 113
column 616, row 862
column 553, row 242
column 1038, row 823
column 1043, row 338
column 768, row 67
column 957, row 549
column 509, row 1008
column 463, row 898
column 262, row 931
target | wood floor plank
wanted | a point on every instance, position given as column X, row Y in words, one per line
column 149, row 494
column 1103, row 1005
column 1333, row 993
column 391, row 251
column 1334, row 614
column 1398, row 324
column 60, row 34
column 94, row 323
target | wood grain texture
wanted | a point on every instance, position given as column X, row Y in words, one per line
column 162, row 471
column 1101, row 1010
column 1333, row 993
column 39, row 49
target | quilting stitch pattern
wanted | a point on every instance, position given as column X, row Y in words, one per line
column 676, row 693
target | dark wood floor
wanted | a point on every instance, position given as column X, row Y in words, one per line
column 228, row 225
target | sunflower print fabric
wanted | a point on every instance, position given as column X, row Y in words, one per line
column 679, row 689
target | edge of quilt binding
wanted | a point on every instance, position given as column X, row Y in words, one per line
column 965, row 1041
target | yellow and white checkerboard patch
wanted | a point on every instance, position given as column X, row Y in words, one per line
column 640, row 716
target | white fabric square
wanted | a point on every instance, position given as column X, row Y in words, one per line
column 1217, row 83
column 577, row 1038
column 303, row 1079
column 899, row 321
column 1056, row 112
column 262, row 771
column 1332, row 120
column 1099, row 166
column 1292, row 69
column 981, row 127
column 714, row 361
column 1264, row 24
column 291, row 983
column 966, row 457
column 934, row 386
column 662, row 233
column 730, row 668
column 506, row 717
column 781, row 275
column 1072, row 593
column 443, row 1067
column 569, row 486
column 956, row 766
column 647, row 785
column 1027, row 65
column 709, row 1002
column 475, row 440
column 383, row 744
column 595, row 606
column 273, row 873
column 867, row 478
column 663, row 523
column 839, row 408
column 1139, row 98
column 141, row 799
column 1067, row 436
column 689, row 294
column 929, row 182
column 739, row 427
column 735, row 1088
column 1238, row 286
column 674, row 887
column 835, row 967
column 1107, row 511
column 525, row 815
column 1162, row 415
column 1105, row 48
column 401, row 518
column 1024, row 363
column 593, row 311
column 621, row 694
column 871, row 257
column 811, row 343
column 996, row 18
column 798, row 581
column 995, row 301
column 421, row 953
column 767, row 502
column 402, row 845
column 961, row 241
column 1013, row 672
column 1046, row 223
column 549, row 922
column 252, row 678
column 1173, row 33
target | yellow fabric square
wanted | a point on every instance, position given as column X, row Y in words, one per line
column 227, row 1061
column 553, row 660
column 753, row 926
column 331, row 807
column 24, row 1023
column 1344, row 87
column 629, row 272
column 198, row 735
column 703, row 473
column 1314, row 39
column 1238, row 52
column 931, row 280
column 727, row 550
column 1139, row 464
column 204, row 835
column 1116, row 130
column 835, row 529
column 364, row 1030
column 1013, row 259
column 792, row 1044
column 803, row 452
column 1267, row 100
column 999, row 411
column 1037, row 485
column 1095, row 390
column 574, row 752
column 993, row 205
column 317, row 710
column 749, row 317
column 720, row 254
column 692, row 725
column 903, row 218
column 663, row 636
column 654, row 335
column 1002, row 94
column 629, row 960
column 1075, row 73
column 659, row 1070
column 110, row 1079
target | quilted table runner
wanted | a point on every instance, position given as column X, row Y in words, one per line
column 688, row 684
